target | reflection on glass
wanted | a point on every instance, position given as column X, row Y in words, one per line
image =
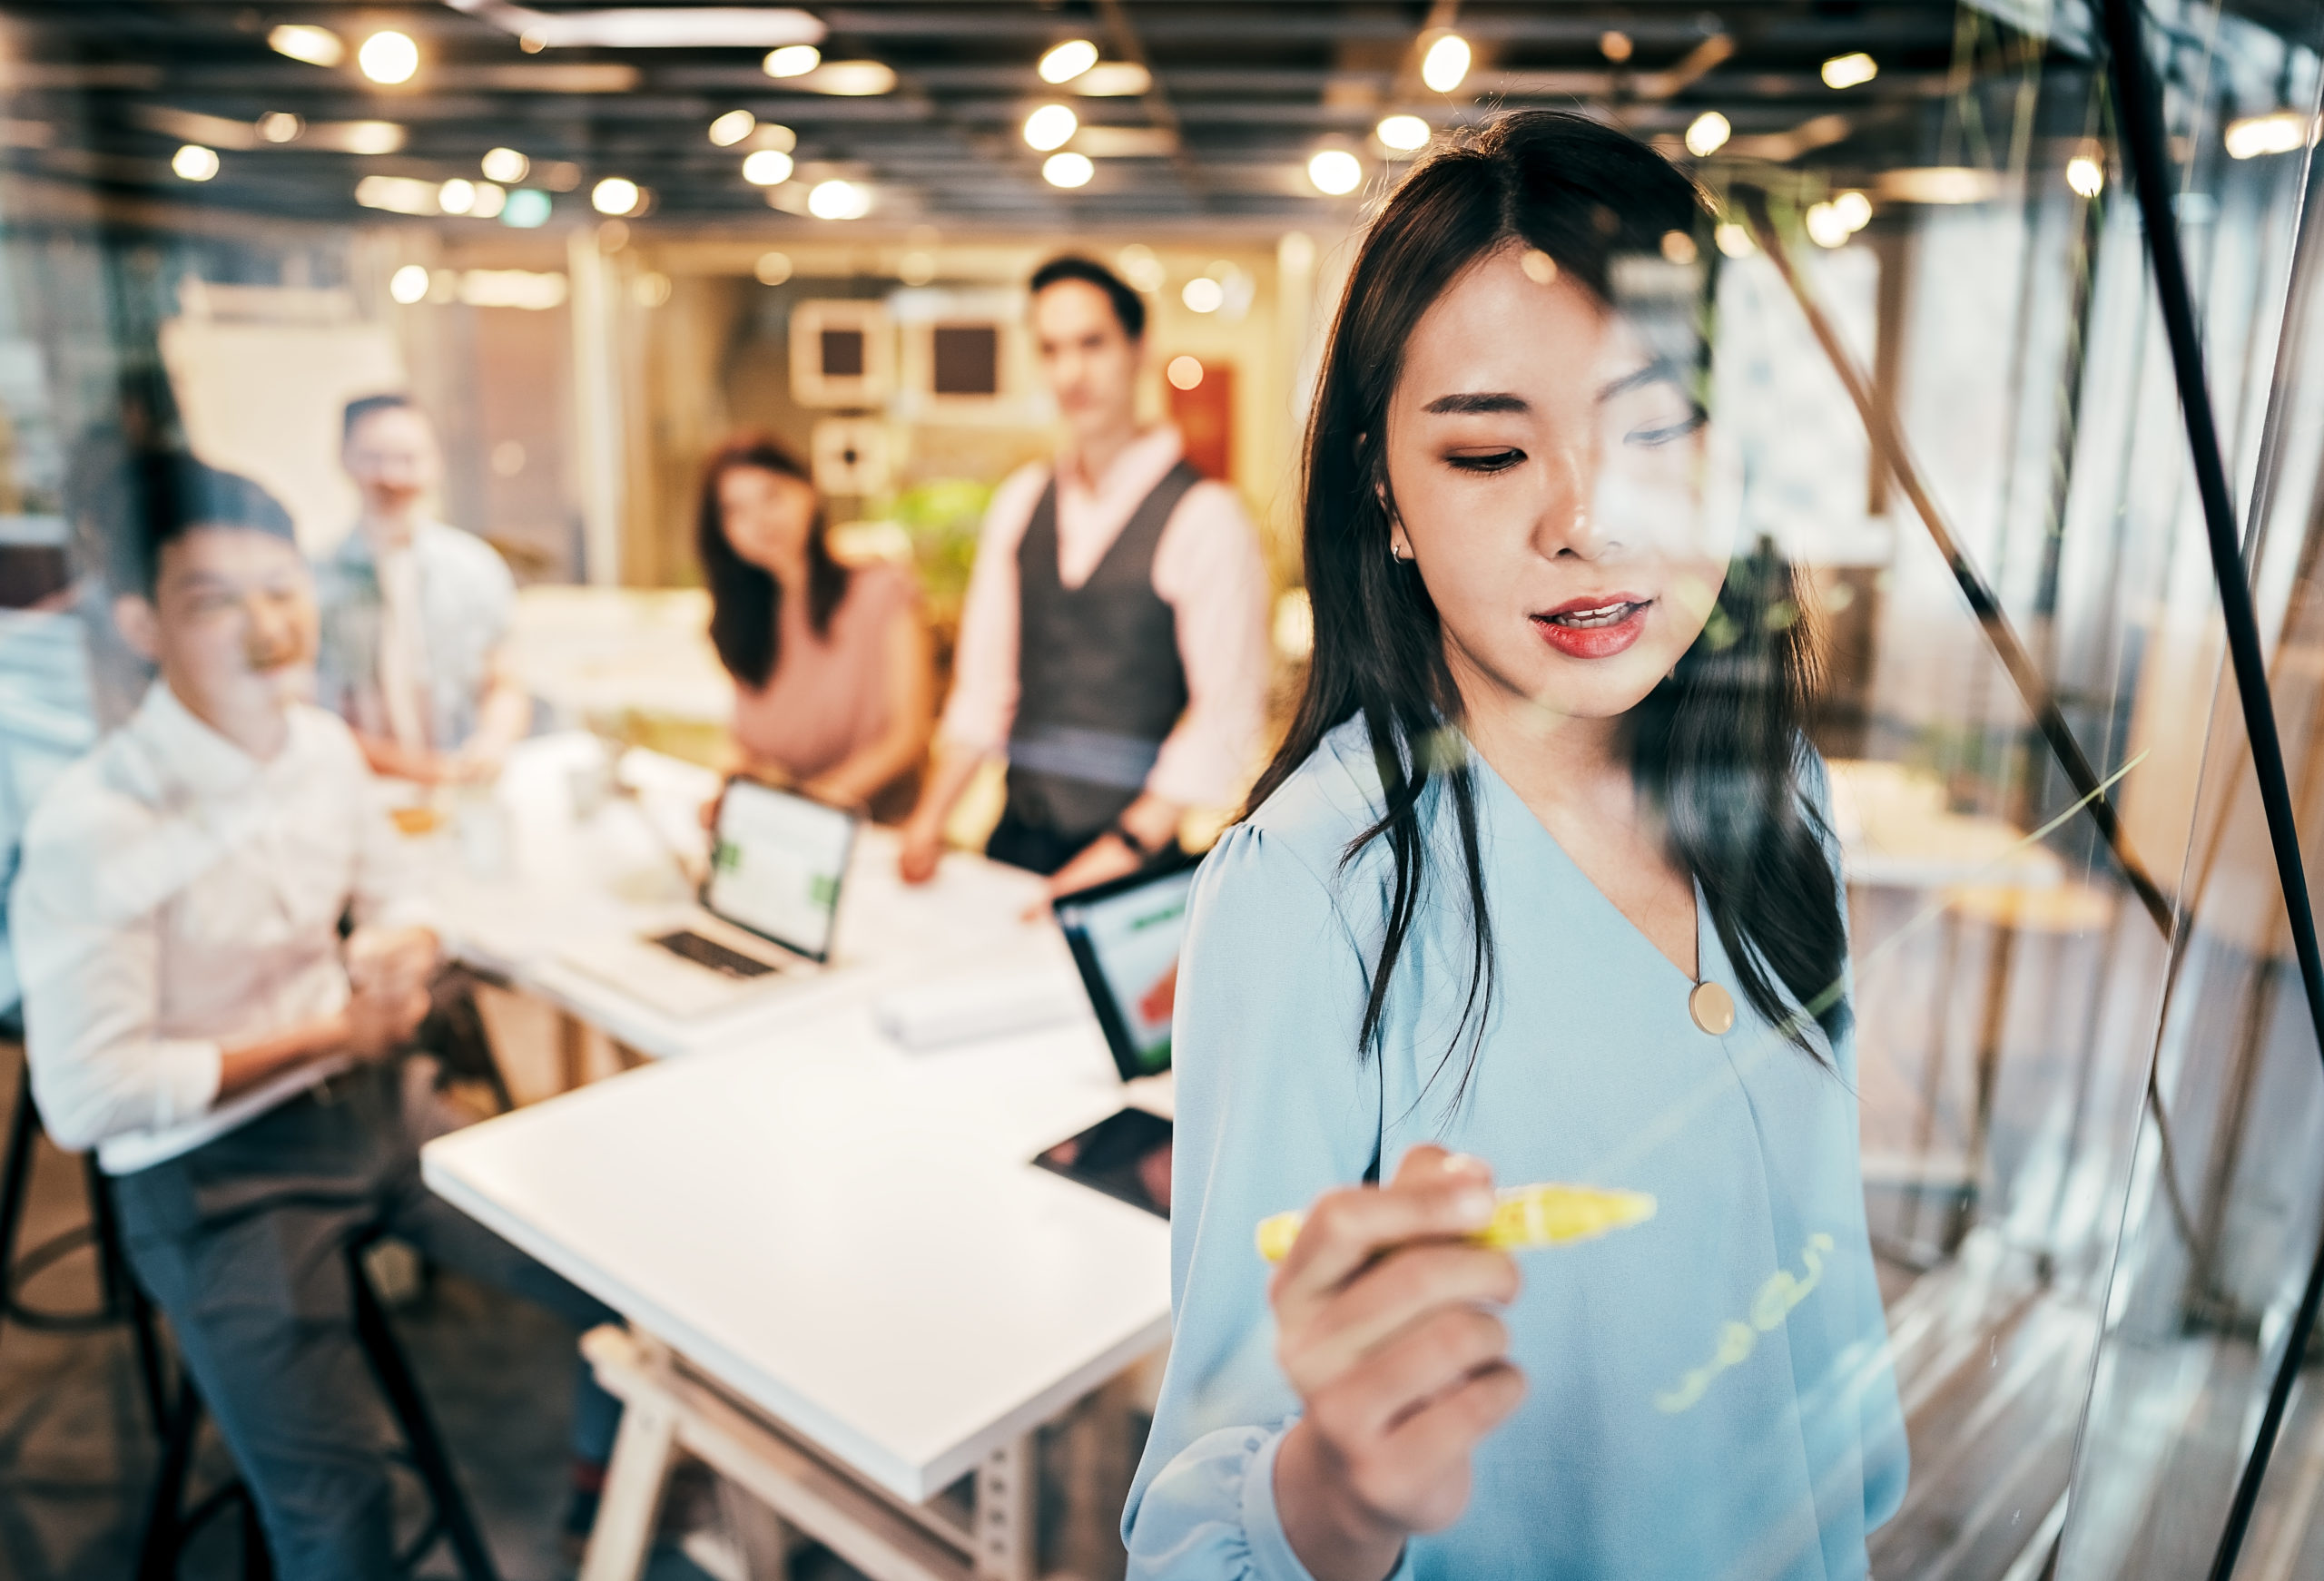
column 2051, row 1165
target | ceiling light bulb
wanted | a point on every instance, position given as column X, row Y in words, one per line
column 772, row 268
column 2085, row 175
column 768, row 167
column 1050, row 126
column 853, row 79
column 1846, row 71
column 1679, row 247
column 793, row 60
column 1138, row 265
column 1708, row 134
column 614, row 195
column 318, row 46
column 1405, row 132
column 732, row 127
column 1615, row 45
column 1826, row 227
column 1067, row 169
column 280, row 126
column 408, row 284
column 388, row 57
column 839, row 201
column 526, row 208
column 456, row 196
column 506, row 164
column 1733, row 240
column 1068, row 61
column 2278, row 133
column 1336, row 172
column 1855, row 210
column 491, row 199
column 1203, row 295
column 195, row 162
column 370, row 136
column 1446, row 62
column 1184, row 372
column 1113, row 80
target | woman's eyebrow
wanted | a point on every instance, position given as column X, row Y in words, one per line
column 1479, row 403
column 1654, row 372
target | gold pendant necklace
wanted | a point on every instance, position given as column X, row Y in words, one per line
column 1712, row 1007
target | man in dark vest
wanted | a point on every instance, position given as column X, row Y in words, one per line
column 1113, row 643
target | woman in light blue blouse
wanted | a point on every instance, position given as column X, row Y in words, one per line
column 1540, row 888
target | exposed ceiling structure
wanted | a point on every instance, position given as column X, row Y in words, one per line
column 1207, row 111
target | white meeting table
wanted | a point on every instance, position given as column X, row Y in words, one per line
column 851, row 1239
column 519, row 884
column 846, row 1284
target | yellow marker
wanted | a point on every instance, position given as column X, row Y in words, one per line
column 1526, row 1216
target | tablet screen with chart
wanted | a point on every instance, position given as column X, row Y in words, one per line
column 776, row 865
column 1125, row 939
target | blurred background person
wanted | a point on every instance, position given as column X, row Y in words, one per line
column 1113, row 642
column 830, row 662
column 193, row 1015
column 415, row 613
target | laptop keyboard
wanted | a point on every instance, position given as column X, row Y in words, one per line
column 708, row 952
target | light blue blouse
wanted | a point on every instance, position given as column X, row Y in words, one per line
column 1710, row 1393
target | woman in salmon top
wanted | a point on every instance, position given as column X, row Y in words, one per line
column 830, row 662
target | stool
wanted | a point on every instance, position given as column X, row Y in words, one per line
column 120, row 1302
column 169, row 1524
column 119, row 1299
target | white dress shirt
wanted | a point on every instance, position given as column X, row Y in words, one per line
column 1206, row 568
column 409, row 636
column 178, row 895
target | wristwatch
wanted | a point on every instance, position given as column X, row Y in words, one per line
column 1139, row 847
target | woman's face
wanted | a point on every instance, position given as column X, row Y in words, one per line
column 1545, row 474
column 767, row 516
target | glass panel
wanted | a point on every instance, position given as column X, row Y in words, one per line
column 2090, row 1095
column 2221, row 1215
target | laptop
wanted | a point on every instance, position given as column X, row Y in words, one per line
column 1124, row 938
column 765, row 916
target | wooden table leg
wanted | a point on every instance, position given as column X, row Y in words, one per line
column 634, row 1484
column 759, row 1533
column 572, row 1050
column 1005, row 1535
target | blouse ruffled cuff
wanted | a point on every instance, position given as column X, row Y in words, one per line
column 1212, row 1515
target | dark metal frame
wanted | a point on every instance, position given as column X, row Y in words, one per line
column 2139, row 105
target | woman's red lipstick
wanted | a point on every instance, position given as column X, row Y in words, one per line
column 1598, row 627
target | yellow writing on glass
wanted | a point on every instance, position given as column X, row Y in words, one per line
column 1783, row 1291
column 1523, row 1216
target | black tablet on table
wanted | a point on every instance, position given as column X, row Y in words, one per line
column 1124, row 938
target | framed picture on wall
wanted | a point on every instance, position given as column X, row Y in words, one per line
column 843, row 354
column 961, row 364
column 850, row 456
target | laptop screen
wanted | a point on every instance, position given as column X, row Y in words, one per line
column 1125, row 939
column 777, row 864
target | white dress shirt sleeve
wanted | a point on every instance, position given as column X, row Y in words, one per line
column 387, row 891
column 983, row 704
column 1207, row 568
column 92, row 985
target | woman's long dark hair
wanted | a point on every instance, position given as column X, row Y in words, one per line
column 1716, row 749
column 746, row 602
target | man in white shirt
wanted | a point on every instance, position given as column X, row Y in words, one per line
column 192, row 1013
column 415, row 613
column 1113, row 641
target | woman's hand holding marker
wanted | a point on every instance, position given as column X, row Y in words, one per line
column 1382, row 1326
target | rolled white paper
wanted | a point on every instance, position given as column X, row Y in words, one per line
column 967, row 1009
